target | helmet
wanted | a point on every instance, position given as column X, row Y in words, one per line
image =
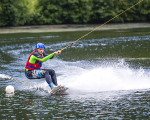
column 40, row 45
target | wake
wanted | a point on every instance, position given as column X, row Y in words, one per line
column 106, row 78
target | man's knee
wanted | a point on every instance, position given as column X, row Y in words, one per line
column 52, row 72
column 46, row 72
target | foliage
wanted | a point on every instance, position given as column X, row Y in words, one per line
column 17, row 12
column 38, row 12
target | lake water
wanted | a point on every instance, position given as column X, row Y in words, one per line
column 107, row 73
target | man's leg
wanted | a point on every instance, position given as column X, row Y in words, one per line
column 33, row 74
column 53, row 76
column 48, row 74
column 50, row 77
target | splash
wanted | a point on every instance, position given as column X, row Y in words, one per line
column 84, row 76
column 3, row 76
column 108, row 78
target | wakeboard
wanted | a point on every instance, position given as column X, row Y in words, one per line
column 58, row 90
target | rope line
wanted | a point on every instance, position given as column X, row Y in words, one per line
column 102, row 24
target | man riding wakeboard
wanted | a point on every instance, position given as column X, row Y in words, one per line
column 34, row 63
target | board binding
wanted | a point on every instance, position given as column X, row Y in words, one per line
column 58, row 90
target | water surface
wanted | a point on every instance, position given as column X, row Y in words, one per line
column 107, row 73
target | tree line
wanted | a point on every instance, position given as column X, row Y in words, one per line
column 42, row 12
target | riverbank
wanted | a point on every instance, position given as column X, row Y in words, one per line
column 70, row 27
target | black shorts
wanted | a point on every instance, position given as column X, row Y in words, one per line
column 35, row 74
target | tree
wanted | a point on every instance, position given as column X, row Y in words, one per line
column 17, row 12
column 31, row 12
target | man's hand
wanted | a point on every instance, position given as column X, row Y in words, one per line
column 57, row 52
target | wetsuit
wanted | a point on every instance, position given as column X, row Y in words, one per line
column 34, row 64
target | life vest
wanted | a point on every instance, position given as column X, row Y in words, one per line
column 34, row 66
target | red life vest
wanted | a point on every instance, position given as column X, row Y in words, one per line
column 34, row 66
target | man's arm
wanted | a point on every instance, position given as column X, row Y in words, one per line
column 33, row 58
column 51, row 57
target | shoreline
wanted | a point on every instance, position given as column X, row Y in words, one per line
column 71, row 27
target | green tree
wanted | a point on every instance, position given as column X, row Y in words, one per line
column 31, row 12
column 51, row 11
column 17, row 12
column 5, row 12
column 77, row 11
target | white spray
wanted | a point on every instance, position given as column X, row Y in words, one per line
column 107, row 78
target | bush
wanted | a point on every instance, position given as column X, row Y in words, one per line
column 39, row 12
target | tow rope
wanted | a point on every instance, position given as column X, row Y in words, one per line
column 102, row 24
